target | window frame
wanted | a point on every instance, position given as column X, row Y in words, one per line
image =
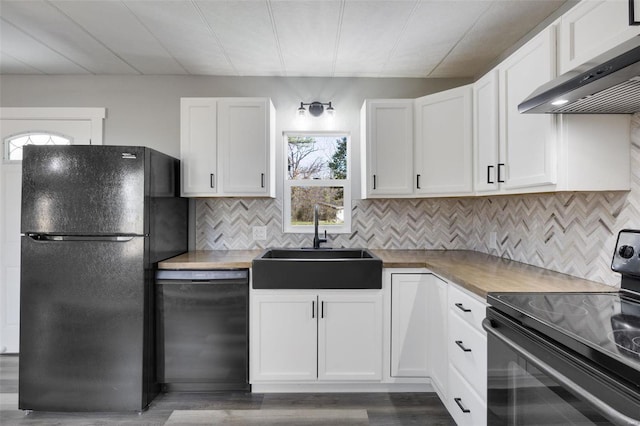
column 288, row 184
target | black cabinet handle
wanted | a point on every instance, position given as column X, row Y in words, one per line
column 462, row 308
column 500, row 180
column 418, row 181
column 462, row 407
column 313, row 309
column 212, row 180
column 322, row 309
column 632, row 14
column 261, row 180
column 374, row 181
column 489, row 174
column 461, row 346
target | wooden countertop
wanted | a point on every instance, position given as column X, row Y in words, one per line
column 211, row 259
column 482, row 273
column 478, row 272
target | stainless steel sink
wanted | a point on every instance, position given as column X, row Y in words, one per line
column 291, row 268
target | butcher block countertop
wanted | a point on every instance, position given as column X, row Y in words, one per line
column 478, row 272
column 482, row 273
column 211, row 259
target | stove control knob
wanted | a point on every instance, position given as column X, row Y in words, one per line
column 626, row 252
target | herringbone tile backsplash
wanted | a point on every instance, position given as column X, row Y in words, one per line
column 573, row 233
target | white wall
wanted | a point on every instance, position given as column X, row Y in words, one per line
column 144, row 110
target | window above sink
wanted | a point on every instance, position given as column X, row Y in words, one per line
column 317, row 173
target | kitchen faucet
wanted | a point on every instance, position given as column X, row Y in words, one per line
column 316, row 240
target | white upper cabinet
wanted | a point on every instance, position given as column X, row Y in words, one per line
column 198, row 146
column 246, row 146
column 528, row 145
column 593, row 27
column 227, row 147
column 443, row 143
column 387, row 147
column 486, row 134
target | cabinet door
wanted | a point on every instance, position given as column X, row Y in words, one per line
column 527, row 141
column 198, row 146
column 350, row 336
column 593, row 27
column 409, row 324
column 438, row 320
column 486, row 133
column 283, row 337
column 387, row 127
column 244, row 139
column 443, row 143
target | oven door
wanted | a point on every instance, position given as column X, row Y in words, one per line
column 531, row 381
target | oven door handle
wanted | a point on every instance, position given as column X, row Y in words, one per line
column 604, row 409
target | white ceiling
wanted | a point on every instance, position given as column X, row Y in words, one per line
column 334, row 38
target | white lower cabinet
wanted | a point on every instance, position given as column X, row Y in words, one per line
column 438, row 351
column 467, row 343
column 409, row 324
column 283, row 337
column 464, row 405
column 419, row 327
column 308, row 336
column 350, row 336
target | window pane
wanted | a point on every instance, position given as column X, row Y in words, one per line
column 330, row 201
column 316, row 157
column 15, row 143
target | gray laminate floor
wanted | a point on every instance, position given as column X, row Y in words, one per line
column 239, row 408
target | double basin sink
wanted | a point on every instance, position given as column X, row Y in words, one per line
column 324, row 268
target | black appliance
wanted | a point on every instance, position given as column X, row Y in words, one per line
column 608, row 84
column 203, row 329
column 567, row 358
column 95, row 222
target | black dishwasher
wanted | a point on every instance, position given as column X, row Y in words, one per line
column 203, row 329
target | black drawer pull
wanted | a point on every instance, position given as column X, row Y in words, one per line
column 418, row 182
column 212, row 180
column 462, row 308
column 261, row 180
column 374, row 181
column 462, row 407
column 489, row 174
column 461, row 346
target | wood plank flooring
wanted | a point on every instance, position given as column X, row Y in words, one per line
column 240, row 408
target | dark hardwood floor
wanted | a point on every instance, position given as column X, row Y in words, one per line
column 240, row 408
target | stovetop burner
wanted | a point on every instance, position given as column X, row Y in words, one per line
column 557, row 310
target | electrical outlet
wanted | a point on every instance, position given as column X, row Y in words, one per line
column 493, row 243
column 259, row 233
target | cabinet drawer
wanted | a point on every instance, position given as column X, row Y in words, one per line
column 467, row 307
column 465, row 406
column 468, row 353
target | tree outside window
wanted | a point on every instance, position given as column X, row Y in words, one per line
column 317, row 174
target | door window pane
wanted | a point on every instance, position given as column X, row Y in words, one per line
column 14, row 144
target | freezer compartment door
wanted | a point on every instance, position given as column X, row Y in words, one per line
column 83, row 190
column 84, row 322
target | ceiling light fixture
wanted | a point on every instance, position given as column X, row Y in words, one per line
column 316, row 108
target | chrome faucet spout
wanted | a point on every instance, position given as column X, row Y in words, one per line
column 316, row 239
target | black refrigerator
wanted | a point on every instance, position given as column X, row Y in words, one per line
column 95, row 222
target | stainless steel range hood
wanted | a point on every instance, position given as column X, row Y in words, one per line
column 609, row 84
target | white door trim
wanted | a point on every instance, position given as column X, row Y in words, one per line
column 95, row 115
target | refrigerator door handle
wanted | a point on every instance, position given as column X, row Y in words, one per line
column 118, row 238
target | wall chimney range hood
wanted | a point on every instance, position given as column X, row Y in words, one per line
column 608, row 84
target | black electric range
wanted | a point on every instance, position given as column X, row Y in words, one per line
column 584, row 341
column 603, row 327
